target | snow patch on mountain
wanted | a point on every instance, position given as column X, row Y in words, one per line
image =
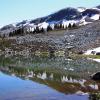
column 81, row 9
column 92, row 51
column 43, row 25
column 79, row 16
column 95, row 17
column 97, row 60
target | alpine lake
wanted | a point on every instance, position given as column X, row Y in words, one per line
column 39, row 77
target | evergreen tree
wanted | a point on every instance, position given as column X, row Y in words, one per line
column 58, row 26
column 62, row 26
column 42, row 30
column 49, row 28
column 15, row 32
column 55, row 26
column 11, row 34
column 22, row 30
column 69, row 26
column 74, row 25
column 37, row 29
column 34, row 31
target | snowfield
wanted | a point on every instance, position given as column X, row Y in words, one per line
column 95, row 17
column 92, row 51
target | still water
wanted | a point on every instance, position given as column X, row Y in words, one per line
column 47, row 78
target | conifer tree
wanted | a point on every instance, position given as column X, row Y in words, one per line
column 49, row 28
column 74, row 25
column 37, row 29
column 69, row 26
column 42, row 30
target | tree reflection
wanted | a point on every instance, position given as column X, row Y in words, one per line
column 94, row 96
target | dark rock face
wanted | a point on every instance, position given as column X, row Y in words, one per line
column 66, row 13
column 96, row 76
column 90, row 12
column 98, row 7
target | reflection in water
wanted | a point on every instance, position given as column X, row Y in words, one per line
column 64, row 75
column 56, row 80
column 94, row 96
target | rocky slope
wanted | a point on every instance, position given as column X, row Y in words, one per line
column 75, row 40
column 86, row 37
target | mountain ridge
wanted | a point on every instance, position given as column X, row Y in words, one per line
column 79, row 16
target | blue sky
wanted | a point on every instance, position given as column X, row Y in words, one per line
column 18, row 10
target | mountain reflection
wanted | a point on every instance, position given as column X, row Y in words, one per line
column 65, row 75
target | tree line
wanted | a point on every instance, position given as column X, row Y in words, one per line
column 23, row 30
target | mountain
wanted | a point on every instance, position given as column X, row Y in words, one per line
column 65, row 17
column 90, row 12
column 98, row 7
column 67, row 13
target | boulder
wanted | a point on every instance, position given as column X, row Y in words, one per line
column 93, row 52
column 95, row 76
column 81, row 52
column 98, row 53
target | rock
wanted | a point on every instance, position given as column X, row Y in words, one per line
column 81, row 93
column 98, row 53
column 93, row 52
column 81, row 52
column 95, row 76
